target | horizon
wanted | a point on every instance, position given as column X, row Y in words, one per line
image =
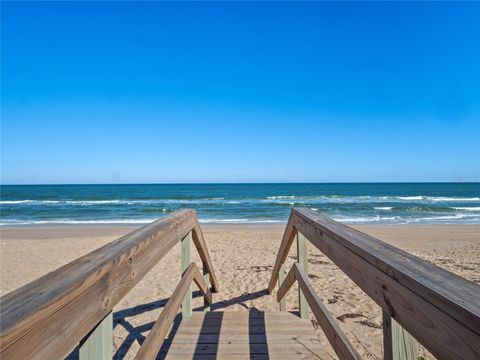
column 169, row 93
column 252, row 183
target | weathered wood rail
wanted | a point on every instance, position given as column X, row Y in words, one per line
column 333, row 332
column 50, row 316
column 72, row 306
column 439, row 309
column 154, row 340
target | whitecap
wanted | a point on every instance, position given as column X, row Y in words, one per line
column 15, row 202
column 410, row 197
column 440, row 198
column 239, row 221
column 281, row 197
column 76, row 222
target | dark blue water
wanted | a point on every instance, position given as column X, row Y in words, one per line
column 402, row 203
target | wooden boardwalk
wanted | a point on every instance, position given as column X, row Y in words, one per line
column 70, row 310
column 241, row 335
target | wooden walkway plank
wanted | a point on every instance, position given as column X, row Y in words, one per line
column 245, row 335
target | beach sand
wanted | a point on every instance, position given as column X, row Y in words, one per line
column 243, row 257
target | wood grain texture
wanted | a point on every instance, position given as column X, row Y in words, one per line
column 440, row 309
column 281, row 277
column 302, row 262
column 285, row 245
column 206, row 277
column 339, row 341
column 48, row 317
column 99, row 343
column 404, row 345
column 245, row 335
column 156, row 336
column 199, row 242
column 186, row 260
column 387, row 336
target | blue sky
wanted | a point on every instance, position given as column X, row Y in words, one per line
column 239, row 92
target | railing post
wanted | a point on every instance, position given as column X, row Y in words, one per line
column 206, row 277
column 185, row 262
column 398, row 344
column 98, row 344
column 281, row 278
column 302, row 263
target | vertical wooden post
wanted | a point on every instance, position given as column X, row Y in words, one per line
column 185, row 262
column 206, row 277
column 302, row 262
column 281, row 278
column 98, row 344
column 398, row 344
column 387, row 336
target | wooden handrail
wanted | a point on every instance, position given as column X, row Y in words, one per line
column 199, row 242
column 340, row 343
column 285, row 245
column 440, row 309
column 49, row 316
column 156, row 336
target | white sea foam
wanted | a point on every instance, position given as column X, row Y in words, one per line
column 127, row 221
column 113, row 201
column 240, row 221
column 445, row 218
column 384, row 208
column 94, row 202
column 473, row 208
column 15, row 202
column 76, row 222
column 441, row 198
column 281, row 197
column 283, row 200
column 353, row 220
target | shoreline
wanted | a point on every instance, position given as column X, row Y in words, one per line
column 220, row 224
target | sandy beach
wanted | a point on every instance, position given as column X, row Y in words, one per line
column 243, row 257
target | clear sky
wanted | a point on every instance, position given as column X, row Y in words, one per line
column 231, row 92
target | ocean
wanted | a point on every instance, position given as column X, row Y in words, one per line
column 353, row 203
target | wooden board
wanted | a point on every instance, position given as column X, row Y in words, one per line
column 185, row 261
column 48, row 317
column 156, row 336
column 302, row 261
column 440, row 309
column 339, row 341
column 449, row 292
column 398, row 344
column 245, row 335
column 99, row 343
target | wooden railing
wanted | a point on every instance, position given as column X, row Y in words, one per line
column 154, row 340
column 334, row 334
column 50, row 316
column 420, row 301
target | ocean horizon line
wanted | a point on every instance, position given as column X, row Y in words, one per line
column 242, row 182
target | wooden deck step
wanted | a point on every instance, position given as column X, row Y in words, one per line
column 242, row 335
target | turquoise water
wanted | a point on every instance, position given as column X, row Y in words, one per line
column 401, row 203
